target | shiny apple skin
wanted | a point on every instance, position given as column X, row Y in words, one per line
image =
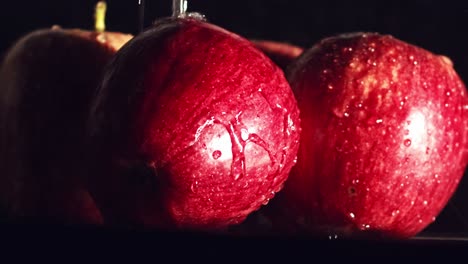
column 384, row 141
column 193, row 127
column 46, row 82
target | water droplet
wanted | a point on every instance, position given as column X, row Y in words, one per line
column 446, row 105
column 246, row 184
column 394, row 213
column 346, row 114
column 238, row 169
column 216, row 154
column 406, row 131
column 407, row 142
column 194, row 187
column 378, row 121
column 352, row 215
column 448, row 93
column 424, row 202
column 279, row 188
column 295, row 160
column 330, row 87
column 411, row 57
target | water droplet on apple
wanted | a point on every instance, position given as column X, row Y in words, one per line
column 395, row 212
column 346, row 114
column 330, row 87
column 425, row 202
column 295, row 160
column 446, row 105
column 279, row 188
column 216, row 154
column 407, row 142
column 379, row 121
column 365, row 226
column 194, row 187
column 352, row 215
column 448, row 93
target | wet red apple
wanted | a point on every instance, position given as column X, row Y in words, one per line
column 46, row 82
column 193, row 128
column 385, row 137
column 282, row 53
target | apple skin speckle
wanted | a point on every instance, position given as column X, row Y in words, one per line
column 384, row 137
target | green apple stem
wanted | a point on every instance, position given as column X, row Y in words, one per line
column 179, row 7
column 100, row 16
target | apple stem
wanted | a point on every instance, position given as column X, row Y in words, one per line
column 179, row 7
column 100, row 16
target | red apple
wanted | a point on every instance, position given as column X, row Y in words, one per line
column 47, row 79
column 384, row 141
column 282, row 53
column 192, row 128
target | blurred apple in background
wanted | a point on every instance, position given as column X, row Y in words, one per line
column 46, row 82
column 384, row 142
column 192, row 128
column 282, row 53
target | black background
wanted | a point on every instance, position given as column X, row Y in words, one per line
column 438, row 26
